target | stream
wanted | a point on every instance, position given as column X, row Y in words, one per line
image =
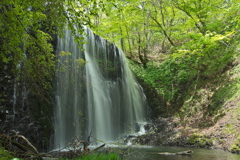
column 151, row 153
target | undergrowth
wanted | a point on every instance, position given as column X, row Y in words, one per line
column 5, row 155
column 98, row 156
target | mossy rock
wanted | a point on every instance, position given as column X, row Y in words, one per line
column 205, row 142
column 194, row 138
column 200, row 141
column 235, row 148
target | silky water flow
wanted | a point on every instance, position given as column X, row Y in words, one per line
column 96, row 92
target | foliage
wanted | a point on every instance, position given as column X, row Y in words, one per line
column 26, row 32
column 186, row 41
column 5, row 155
column 201, row 141
column 190, row 42
column 99, row 156
column 235, row 148
column 170, row 79
column 191, row 30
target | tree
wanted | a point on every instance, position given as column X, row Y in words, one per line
column 206, row 30
column 26, row 29
column 127, row 25
column 163, row 14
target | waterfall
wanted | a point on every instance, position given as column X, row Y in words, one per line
column 96, row 92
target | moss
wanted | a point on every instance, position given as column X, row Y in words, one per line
column 229, row 129
column 235, row 148
column 200, row 141
column 5, row 155
column 205, row 142
column 193, row 139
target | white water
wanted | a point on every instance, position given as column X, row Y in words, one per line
column 100, row 97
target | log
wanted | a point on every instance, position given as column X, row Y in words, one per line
column 32, row 148
column 96, row 149
column 10, row 143
column 188, row 152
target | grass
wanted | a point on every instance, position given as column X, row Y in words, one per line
column 98, row 156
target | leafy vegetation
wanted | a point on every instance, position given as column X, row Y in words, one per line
column 236, row 145
column 98, row 156
column 180, row 44
column 200, row 141
column 5, row 155
column 26, row 32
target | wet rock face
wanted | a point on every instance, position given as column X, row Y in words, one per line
column 6, row 96
column 22, row 113
column 156, row 103
column 31, row 128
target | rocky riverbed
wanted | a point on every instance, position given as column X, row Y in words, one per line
column 170, row 132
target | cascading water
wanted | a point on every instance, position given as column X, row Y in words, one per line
column 96, row 92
